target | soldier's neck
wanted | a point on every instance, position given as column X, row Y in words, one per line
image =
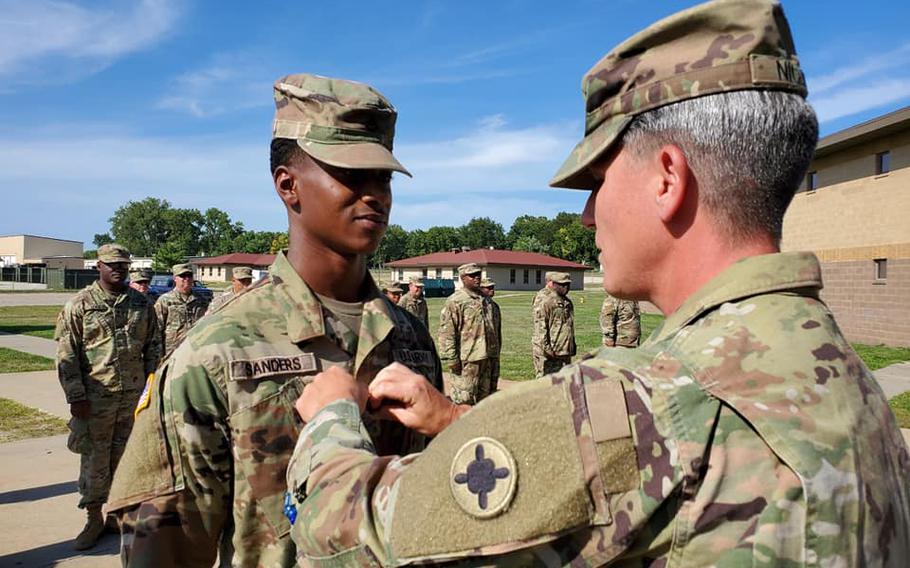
column 330, row 274
column 113, row 289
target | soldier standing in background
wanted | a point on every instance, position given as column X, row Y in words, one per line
column 179, row 309
column 393, row 291
column 241, row 278
column 494, row 327
column 553, row 342
column 204, row 473
column 463, row 333
column 414, row 301
column 107, row 344
column 620, row 321
column 140, row 278
column 745, row 431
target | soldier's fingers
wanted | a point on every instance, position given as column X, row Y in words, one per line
column 392, row 388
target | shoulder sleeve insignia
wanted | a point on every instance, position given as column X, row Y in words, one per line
column 253, row 369
column 483, row 477
column 146, row 395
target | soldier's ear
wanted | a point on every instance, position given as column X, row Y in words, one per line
column 287, row 187
column 675, row 186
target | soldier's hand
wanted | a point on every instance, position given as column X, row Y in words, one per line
column 330, row 386
column 398, row 393
column 455, row 367
column 609, row 342
column 80, row 409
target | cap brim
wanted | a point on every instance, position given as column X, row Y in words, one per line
column 575, row 171
column 112, row 260
column 360, row 156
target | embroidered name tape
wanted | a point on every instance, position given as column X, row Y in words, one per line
column 413, row 357
column 254, row 369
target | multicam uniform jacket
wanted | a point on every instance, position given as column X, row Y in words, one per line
column 106, row 343
column 554, row 325
column 463, row 328
column 212, row 440
column 177, row 313
column 494, row 327
column 620, row 321
column 417, row 306
column 745, row 431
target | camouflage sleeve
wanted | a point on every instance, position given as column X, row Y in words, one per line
column 540, row 341
column 71, row 361
column 608, row 319
column 628, row 327
column 161, row 313
column 449, row 338
column 194, row 416
column 334, row 460
column 151, row 353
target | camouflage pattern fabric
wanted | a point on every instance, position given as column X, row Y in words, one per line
column 463, row 337
column 620, row 321
column 220, row 300
column 416, row 306
column 177, row 313
column 206, row 465
column 494, row 326
column 474, row 384
column 107, row 344
column 745, row 431
column 554, row 331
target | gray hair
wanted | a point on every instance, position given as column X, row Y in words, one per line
column 749, row 151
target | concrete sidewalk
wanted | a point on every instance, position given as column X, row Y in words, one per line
column 27, row 343
column 39, row 389
column 894, row 379
column 38, row 514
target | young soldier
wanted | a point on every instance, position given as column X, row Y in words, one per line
column 494, row 327
column 744, row 431
column 553, row 342
column 205, row 472
column 107, row 344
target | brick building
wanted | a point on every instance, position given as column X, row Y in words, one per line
column 511, row 270
column 853, row 211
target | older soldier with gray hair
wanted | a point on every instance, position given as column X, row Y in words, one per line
column 180, row 309
column 414, row 301
column 744, row 431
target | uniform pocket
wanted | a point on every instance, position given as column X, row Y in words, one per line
column 79, row 441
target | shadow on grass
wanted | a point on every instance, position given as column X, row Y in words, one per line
column 37, row 330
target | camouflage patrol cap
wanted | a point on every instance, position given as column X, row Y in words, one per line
column 113, row 252
column 242, row 273
column 180, row 269
column 394, row 287
column 469, row 268
column 416, row 281
column 732, row 45
column 342, row 123
column 487, row 283
column 140, row 274
column 559, row 277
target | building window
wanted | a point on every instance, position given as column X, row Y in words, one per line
column 882, row 163
column 537, row 276
column 425, row 272
column 881, row 268
column 401, row 273
column 526, row 273
column 811, row 181
column 511, row 276
column 438, row 273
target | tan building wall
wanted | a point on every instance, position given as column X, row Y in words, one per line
column 853, row 219
column 30, row 249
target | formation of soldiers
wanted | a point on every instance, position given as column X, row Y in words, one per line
column 304, row 420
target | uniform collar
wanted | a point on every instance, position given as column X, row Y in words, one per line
column 307, row 320
column 797, row 272
column 103, row 295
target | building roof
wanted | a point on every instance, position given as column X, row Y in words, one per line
column 238, row 258
column 41, row 237
column 877, row 127
column 486, row 257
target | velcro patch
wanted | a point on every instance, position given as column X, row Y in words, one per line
column 413, row 357
column 254, row 369
column 607, row 406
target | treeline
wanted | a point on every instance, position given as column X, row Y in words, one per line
column 153, row 228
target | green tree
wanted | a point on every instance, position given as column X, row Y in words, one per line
column 184, row 226
column 576, row 242
column 90, row 254
column 530, row 243
column 102, row 239
column 442, row 239
column 417, row 243
column 167, row 255
column 279, row 243
column 527, row 226
column 483, row 232
column 218, row 232
column 142, row 226
column 258, row 242
column 393, row 246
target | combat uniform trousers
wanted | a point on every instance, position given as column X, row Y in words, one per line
column 494, row 376
column 100, row 441
column 544, row 365
column 473, row 384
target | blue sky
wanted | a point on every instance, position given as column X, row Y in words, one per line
column 106, row 101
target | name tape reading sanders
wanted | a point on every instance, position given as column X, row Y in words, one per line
column 254, row 369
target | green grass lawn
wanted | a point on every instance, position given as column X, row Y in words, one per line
column 12, row 361
column 878, row 356
column 18, row 422
column 29, row 320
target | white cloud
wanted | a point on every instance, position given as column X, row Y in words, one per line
column 841, row 75
column 231, row 82
column 854, row 100
column 53, row 39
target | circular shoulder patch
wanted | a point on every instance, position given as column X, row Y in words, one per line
column 483, row 477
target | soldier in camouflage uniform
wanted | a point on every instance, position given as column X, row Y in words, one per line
column 745, row 431
column 140, row 278
column 393, row 291
column 179, row 309
column 241, row 278
column 494, row 327
column 107, row 343
column 205, row 472
column 620, row 321
column 463, row 339
column 553, row 341
column 414, row 301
